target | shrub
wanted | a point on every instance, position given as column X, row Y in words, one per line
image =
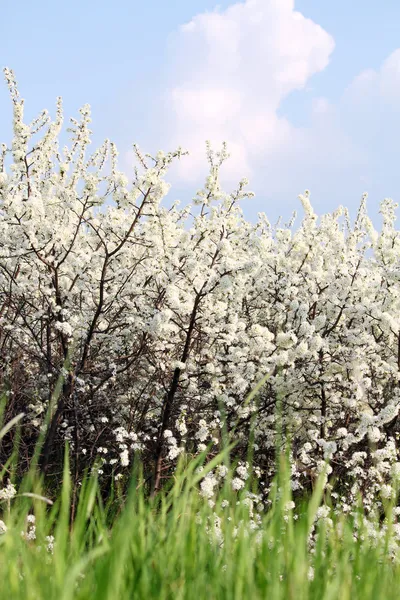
column 161, row 320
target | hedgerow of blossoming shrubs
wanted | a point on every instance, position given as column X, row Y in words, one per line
column 159, row 320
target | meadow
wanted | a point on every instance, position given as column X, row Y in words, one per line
column 177, row 546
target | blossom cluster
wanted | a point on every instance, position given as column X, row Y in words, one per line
column 159, row 321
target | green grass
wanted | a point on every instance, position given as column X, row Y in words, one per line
column 134, row 547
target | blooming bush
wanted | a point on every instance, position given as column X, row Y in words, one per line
column 159, row 321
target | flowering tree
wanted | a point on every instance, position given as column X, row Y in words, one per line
column 162, row 320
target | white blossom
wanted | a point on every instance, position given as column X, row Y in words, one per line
column 237, row 483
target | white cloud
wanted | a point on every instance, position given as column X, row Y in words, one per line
column 378, row 87
column 228, row 75
column 369, row 112
column 231, row 71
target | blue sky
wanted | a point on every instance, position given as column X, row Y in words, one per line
column 306, row 93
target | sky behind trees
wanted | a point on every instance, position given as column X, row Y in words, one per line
column 306, row 93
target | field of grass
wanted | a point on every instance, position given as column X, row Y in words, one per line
column 169, row 547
